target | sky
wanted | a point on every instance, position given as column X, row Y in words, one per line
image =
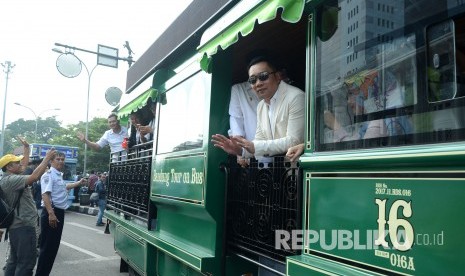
column 29, row 30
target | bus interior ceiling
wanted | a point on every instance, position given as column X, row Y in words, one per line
column 286, row 42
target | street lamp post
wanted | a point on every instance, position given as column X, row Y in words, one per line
column 89, row 76
column 36, row 116
column 69, row 65
column 7, row 66
column 70, row 73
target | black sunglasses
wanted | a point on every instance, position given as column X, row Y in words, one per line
column 263, row 76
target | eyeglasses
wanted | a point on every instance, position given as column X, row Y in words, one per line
column 263, row 76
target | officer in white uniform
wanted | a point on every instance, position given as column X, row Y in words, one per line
column 55, row 202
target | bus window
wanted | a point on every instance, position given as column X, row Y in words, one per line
column 441, row 62
column 182, row 117
column 69, row 171
column 381, row 80
column 327, row 20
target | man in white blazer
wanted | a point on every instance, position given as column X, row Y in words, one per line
column 280, row 115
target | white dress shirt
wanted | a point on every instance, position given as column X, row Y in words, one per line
column 243, row 111
column 114, row 140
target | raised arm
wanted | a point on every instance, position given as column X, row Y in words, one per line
column 37, row 173
column 92, row 145
column 26, row 152
column 145, row 132
column 226, row 144
column 79, row 183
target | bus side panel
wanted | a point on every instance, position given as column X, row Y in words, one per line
column 405, row 222
column 131, row 248
column 166, row 265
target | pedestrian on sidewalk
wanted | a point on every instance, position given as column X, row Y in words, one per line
column 102, row 198
column 93, row 178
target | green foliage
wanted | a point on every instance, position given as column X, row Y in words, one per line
column 50, row 131
column 96, row 160
column 8, row 145
column 46, row 129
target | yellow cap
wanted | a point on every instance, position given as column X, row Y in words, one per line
column 9, row 158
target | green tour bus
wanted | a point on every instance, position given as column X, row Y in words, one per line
column 376, row 190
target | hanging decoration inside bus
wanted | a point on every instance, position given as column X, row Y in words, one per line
column 407, row 221
column 179, row 178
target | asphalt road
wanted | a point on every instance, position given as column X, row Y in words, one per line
column 85, row 249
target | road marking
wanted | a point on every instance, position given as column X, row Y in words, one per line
column 99, row 230
column 93, row 260
column 82, row 250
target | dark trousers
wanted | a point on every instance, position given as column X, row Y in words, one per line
column 23, row 253
column 92, row 202
column 49, row 241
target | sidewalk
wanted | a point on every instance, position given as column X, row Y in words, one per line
column 86, row 209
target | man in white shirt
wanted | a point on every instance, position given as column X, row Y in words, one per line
column 243, row 111
column 113, row 137
column 243, row 114
column 280, row 115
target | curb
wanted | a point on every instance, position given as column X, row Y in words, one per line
column 76, row 207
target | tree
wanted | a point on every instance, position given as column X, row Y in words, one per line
column 96, row 160
column 46, row 129
column 9, row 142
column 50, row 131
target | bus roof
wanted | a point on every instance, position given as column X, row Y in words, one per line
column 49, row 145
column 40, row 150
column 184, row 33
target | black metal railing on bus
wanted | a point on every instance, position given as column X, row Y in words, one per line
column 263, row 198
column 129, row 181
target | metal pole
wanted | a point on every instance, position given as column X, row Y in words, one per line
column 35, row 131
column 89, row 76
column 35, row 116
column 129, row 59
column 84, row 171
column 7, row 69
column 38, row 117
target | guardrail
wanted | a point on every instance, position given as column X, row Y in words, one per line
column 129, row 181
column 262, row 198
